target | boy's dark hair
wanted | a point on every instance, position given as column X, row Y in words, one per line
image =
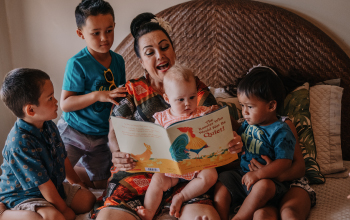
column 263, row 83
column 142, row 25
column 21, row 87
column 91, row 8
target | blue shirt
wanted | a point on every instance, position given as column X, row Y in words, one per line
column 83, row 75
column 275, row 141
column 31, row 158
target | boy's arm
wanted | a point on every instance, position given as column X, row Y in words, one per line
column 71, row 175
column 273, row 170
column 70, row 101
column 50, row 194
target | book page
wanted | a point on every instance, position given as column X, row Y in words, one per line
column 147, row 143
column 202, row 142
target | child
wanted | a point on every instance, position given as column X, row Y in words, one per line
column 34, row 158
column 261, row 95
column 181, row 94
column 89, row 90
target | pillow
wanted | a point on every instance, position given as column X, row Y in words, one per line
column 225, row 99
column 296, row 107
column 325, row 109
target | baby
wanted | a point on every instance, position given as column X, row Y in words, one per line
column 181, row 93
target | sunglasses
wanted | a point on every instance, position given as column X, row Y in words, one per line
column 110, row 79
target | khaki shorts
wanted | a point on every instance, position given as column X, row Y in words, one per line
column 31, row 204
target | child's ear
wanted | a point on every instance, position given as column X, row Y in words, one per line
column 166, row 98
column 28, row 110
column 80, row 33
column 273, row 105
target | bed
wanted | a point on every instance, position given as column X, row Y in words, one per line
column 222, row 39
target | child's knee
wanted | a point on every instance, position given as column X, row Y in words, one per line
column 209, row 176
column 162, row 181
column 266, row 186
column 266, row 213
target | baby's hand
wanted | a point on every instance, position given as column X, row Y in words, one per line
column 250, row 179
column 110, row 96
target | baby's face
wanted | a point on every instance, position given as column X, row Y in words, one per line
column 182, row 97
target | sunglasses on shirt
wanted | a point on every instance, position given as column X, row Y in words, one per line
column 110, row 79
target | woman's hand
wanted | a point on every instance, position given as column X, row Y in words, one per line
column 255, row 165
column 122, row 161
column 235, row 145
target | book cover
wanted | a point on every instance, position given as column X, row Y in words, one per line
column 183, row 147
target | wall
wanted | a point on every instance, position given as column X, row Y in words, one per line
column 41, row 34
column 6, row 118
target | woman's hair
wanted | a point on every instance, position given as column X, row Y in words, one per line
column 178, row 73
column 21, row 87
column 263, row 83
column 142, row 25
column 91, row 8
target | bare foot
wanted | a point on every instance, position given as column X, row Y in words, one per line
column 2, row 208
column 143, row 213
column 204, row 217
column 175, row 206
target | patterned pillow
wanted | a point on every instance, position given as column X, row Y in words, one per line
column 296, row 107
column 233, row 106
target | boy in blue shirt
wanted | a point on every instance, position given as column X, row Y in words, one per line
column 264, row 133
column 89, row 89
column 34, row 158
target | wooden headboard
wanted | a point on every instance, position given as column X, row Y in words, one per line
column 222, row 39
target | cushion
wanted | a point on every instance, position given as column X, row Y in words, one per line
column 296, row 107
column 325, row 109
column 225, row 99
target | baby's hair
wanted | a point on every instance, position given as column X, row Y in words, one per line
column 91, row 8
column 142, row 25
column 21, row 87
column 178, row 72
column 263, row 83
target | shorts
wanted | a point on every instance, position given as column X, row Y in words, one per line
column 304, row 184
column 92, row 151
column 232, row 180
column 31, row 204
column 126, row 191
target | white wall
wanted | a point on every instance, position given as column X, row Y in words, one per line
column 6, row 118
column 41, row 34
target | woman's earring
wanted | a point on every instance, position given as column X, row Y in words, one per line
column 145, row 73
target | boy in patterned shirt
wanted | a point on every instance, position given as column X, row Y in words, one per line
column 181, row 94
column 35, row 161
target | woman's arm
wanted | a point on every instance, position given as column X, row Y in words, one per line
column 120, row 160
column 297, row 169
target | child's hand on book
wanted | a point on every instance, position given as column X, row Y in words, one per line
column 111, row 96
column 235, row 145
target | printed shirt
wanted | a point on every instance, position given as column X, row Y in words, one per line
column 142, row 101
column 31, row 158
column 275, row 141
column 165, row 119
column 83, row 75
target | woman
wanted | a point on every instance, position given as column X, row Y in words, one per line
column 155, row 51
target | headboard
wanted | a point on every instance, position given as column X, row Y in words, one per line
column 222, row 39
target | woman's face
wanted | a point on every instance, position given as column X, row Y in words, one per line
column 157, row 54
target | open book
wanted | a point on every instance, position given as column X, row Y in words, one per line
column 183, row 147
